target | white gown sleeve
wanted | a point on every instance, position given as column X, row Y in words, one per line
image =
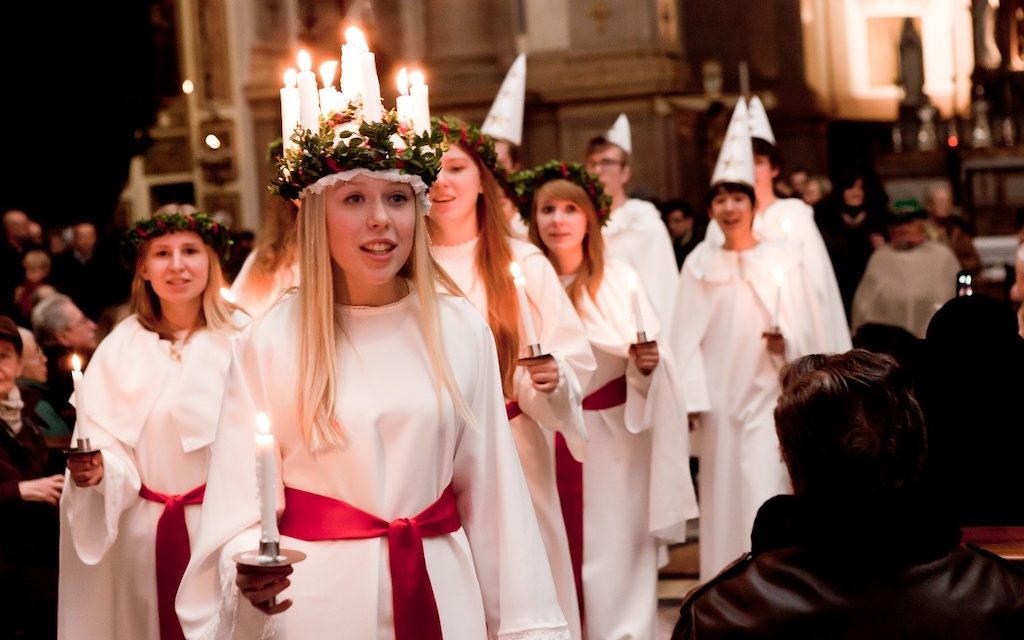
column 826, row 287
column 690, row 320
column 498, row 517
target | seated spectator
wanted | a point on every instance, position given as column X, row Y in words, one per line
column 14, row 243
column 62, row 330
column 29, row 490
column 798, row 178
column 681, row 220
column 946, row 225
column 970, row 388
column 817, row 189
column 34, row 389
column 89, row 273
column 857, row 552
column 908, row 279
column 37, row 270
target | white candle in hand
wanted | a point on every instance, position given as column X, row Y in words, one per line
column 289, row 108
column 638, row 314
column 309, row 98
column 780, row 277
column 76, row 379
column 524, row 307
column 266, row 470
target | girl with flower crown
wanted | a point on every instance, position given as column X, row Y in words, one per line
column 149, row 403
column 470, row 239
column 398, row 473
column 634, row 490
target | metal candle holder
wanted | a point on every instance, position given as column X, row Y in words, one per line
column 83, row 447
column 641, row 337
column 269, row 554
column 536, row 351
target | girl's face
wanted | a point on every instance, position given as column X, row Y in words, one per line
column 562, row 226
column 370, row 228
column 454, row 194
column 734, row 213
column 854, row 195
column 177, row 266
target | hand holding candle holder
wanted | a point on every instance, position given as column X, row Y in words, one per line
column 267, row 561
column 524, row 311
column 774, row 341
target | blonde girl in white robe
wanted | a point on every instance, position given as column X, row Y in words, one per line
column 744, row 308
column 636, row 489
column 384, row 398
column 470, row 239
column 149, row 401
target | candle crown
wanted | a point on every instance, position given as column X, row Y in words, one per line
column 212, row 232
column 528, row 181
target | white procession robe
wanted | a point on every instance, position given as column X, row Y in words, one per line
column 726, row 300
column 561, row 334
column 256, row 295
column 634, row 450
column 636, row 235
column 154, row 418
column 490, row 578
column 792, row 219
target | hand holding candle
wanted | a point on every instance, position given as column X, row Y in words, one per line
column 266, row 469
column 76, row 379
column 524, row 309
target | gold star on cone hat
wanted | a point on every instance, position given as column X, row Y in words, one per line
column 620, row 134
column 505, row 119
column 759, row 125
column 736, row 159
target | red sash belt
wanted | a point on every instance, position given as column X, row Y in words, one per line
column 309, row 516
column 172, row 554
column 512, row 410
column 569, row 474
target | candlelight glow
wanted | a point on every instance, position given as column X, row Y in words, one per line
column 403, row 81
column 227, row 295
column 262, row 423
column 305, row 62
column 355, row 37
column 416, row 78
column 779, row 275
column 76, row 363
column 327, row 70
column 517, row 273
column 289, row 79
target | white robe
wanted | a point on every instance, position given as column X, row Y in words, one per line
column 633, row 450
column 154, row 418
column 490, row 578
column 793, row 219
column 636, row 235
column 256, row 298
column 561, row 334
column 726, row 300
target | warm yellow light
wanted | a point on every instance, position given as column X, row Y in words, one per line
column 403, row 81
column 355, row 37
column 289, row 79
column 262, row 423
column 305, row 62
column 76, row 363
column 327, row 70
column 227, row 295
column 416, row 78
column 213, row 142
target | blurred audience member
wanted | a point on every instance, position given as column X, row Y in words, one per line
column 34, row 389
column 56, row 241
column 798, row 178
column 14, row 243
column 817, row 189
column 946, row 225
column 29, row 491
column 89, row 274
column 907, row 280
column 62, row 330
column 903, row 346
column 36, row 265
column 859, row 551
column 680, row 218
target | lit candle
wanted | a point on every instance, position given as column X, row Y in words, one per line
column 371, row 88
column 329, row 102
column 524, row 307
column 289, row 108
column 266, row 470
column 309, row 99
column 638, row 315
column 420, row 95
column 780, row 277
column 406, row 110
column 351, row 63
column 76, row 379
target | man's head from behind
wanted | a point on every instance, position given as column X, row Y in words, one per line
column 849, row 426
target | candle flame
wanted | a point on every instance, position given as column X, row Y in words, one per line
column 517, row 273
column 403, row 81
column 289, row 79
column 327, row 70
column 355, row 37
column 305, row 62
column 416, row 78
column 262, row 423
column 76, row 363
column 779, row 275
column 227, row 295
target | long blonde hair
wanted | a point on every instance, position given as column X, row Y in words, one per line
column 214, row 314
column 319, row 323
column 591, row 271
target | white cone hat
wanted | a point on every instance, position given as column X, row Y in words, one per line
column 759, row 125
column 620, row 133
column 505, row 119
column 736, row 159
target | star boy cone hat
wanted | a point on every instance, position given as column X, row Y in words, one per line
column 620, row 134
column 505, row 119
column 759, row 125
column 736, row 159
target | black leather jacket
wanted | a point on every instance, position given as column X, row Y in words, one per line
column 876, row 571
